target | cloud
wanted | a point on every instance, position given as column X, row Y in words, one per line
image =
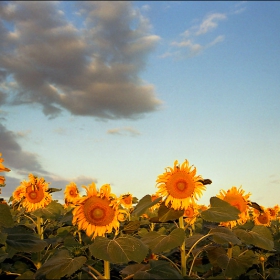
column 209, row 23
column 15, row 157
column 124, row 131
column 189, row 46
column 92, row 71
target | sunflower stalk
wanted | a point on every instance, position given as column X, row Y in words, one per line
column 106, row 269
column 183, row 250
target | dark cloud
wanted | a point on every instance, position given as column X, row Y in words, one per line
column 92, row 71
column 15, row 158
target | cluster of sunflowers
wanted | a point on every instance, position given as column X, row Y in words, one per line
column 100, row 213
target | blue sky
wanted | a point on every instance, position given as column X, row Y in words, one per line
column 115, row 92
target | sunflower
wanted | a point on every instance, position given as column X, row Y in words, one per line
column 126, row 200
column 32, row 194
column 273, row 211
column 71, row 194
column 238, row 199
column 190, row 214
column 262, row 218
column 97, row 212
column 180, row 186
column 2, row 180
column 2, row 167
column 156, row 206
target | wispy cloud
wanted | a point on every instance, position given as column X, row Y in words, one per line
column 193, row 40
column 92, row 71
column 128, row 131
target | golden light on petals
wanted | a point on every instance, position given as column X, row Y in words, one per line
column 97, row 213
column 71, row 194
column 180, row 186
column 238, row 199
column 263, row 218
column 273, row 211
column 2, row 180
column 126, row 200
column 32, row 194
column 2, row 167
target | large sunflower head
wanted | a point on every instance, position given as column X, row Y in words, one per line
column 238, row 199
column 180, row 186
column 71, row 194
column 97, row 212
column 32, row 194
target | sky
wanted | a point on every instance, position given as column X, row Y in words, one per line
column 115, row 92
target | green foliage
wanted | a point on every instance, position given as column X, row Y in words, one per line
column 158, row 270
column 120, row 250
column 60, row 265
column 159, row 243
column 144, row 204
column 259, row 236
column 6, row 219
column 21, row 239
column 220, row 211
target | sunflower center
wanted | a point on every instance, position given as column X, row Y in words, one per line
column 180, row 185
column 127, row 200
column 34, row 195
column 263, row 219
column 72, row 193
column 98, row 211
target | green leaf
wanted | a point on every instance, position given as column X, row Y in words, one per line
column 6, row 219
column 60, row 265
column 131, row 227
column 260, row 236
column 232, row 267
column 166, row 214
column 120, row 250
column 22, row 240
column 190, row 241
column 160, row 243
column 51, row 211
column 158, row 270
column 26, row 275
column 220, row 211
column 222, row 235
column 143, row 204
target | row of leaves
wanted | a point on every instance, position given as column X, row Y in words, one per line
column 61, row 254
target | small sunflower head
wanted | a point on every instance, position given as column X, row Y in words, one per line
column 126, row 200
column 71, row 194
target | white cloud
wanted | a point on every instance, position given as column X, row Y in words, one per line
column 209, row 23
column 188, row 45
column 91, row 72
column 128, row 131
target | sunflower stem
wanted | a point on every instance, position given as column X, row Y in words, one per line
column 106, row 269
column 183, row 250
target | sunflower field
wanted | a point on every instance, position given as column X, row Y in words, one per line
column 165, row 235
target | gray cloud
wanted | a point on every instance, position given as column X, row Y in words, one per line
column 92, row 71
column 15, row 157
